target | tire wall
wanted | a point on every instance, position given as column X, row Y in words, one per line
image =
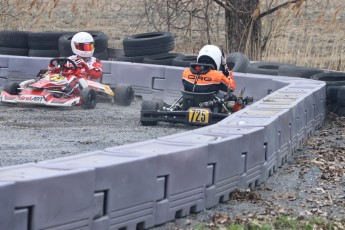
column 179, row 174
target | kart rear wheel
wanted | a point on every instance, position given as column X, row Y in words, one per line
column 12, row 88
column 88, row 98
column 148, row 106
column 124, row 94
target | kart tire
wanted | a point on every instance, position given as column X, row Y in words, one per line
column 184, row 60
column 161, row 59
column 160, row 102
column 12, row 88
column 296, row 71
column 14, row 51
column 124, row 94
column 43, row 53
column 88, row 98
column 44, row 40
column 149, row 106
column 266, row 68
column 137, row 59
column 237, row 62
column 14, row 39
column 148, row 44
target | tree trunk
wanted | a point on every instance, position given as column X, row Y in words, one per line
column 242, row 31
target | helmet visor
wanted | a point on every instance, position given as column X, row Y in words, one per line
column 84, row 46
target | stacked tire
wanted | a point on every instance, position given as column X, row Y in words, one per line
column 101, row 44
column 149, row 48
column 44, row 44
column 335, row 90
column 47, row 44
column 237, row 62
column 14, row 42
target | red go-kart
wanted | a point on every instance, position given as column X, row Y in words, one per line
column 56, row 90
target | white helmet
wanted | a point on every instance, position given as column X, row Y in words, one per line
column 210, row 54
column 82, row 44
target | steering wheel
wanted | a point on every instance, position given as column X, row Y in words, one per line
column 62, row 62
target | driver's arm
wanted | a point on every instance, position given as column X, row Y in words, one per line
column 229, row 81
column 95, row 70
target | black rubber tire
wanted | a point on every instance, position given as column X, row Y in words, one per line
column 266, row 68
column 341, row 96
column 14, row 39
column 12, row 88
column 332, row 93
column 101, row 43
column 297, row 71
column 161, row 59
column 101, row 40
column 124, row 94
column 137, row 59
column 237, row 62
column 44, row 53
column 331, row 78
column 184, row 60
column 102, row 55
column 45, row 40
column 149, row 106
column 88, row 98
column 14, row 51
column 65, row 44
column 148, row 44
column 160, row 102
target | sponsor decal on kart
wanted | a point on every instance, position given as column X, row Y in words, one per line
column 30, row 98
column 198, row 115
column 100, row 86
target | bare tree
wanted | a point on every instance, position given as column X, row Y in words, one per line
column 243, row 29
column 243, row 23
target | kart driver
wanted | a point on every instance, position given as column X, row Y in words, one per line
column 89, row 67
column 205, row 76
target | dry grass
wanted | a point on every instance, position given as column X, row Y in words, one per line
column 310, row 35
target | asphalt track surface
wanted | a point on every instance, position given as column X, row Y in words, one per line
column 35, row 133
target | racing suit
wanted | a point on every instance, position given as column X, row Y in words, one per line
column 203, row 78
column 88, row 68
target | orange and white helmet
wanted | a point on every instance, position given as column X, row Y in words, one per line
column 210, row 54
column 82, row 44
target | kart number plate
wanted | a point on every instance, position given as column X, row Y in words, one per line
column 199, row 116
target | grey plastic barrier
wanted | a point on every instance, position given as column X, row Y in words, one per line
column 7, row 205
column 149, row 183
column 46, row 198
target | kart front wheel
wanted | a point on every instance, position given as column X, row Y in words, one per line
column 88, row 98
column 146, row 107
column 12, row 88
column 124, row 94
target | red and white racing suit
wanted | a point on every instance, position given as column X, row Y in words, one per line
column 89, row 68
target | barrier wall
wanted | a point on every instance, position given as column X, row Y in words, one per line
column 144, row 184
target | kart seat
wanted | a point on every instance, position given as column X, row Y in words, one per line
column 193, row 99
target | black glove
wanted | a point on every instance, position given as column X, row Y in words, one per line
column 41, row 73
